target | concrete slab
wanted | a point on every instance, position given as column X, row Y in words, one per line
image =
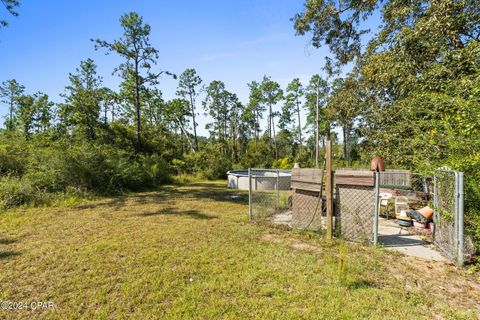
column 283, row 218
column 392, row 237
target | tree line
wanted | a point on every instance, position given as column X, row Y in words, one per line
column 90, row 109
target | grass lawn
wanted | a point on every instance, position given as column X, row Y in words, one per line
column 189, row 252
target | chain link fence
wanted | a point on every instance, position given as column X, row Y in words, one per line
column 445, row 214
column 356, row 210
column 269, row 195
column 356, row 191
column 360, row 198
column 272, row 200
column 448, row 216
column 308, row 202
column 402, row 190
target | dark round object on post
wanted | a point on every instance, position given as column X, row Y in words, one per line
column 377, row 164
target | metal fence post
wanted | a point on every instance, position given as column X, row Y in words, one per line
column 377, row 207
column 455, row 210
column 435, row 204
column 278, row 189
column 460, row 197
column 249, row 194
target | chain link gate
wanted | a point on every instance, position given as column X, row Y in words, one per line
column 448, row 216
column 444, row 192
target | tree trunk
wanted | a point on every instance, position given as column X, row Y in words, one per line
column 274, row 140
column 270, row 120
column 10, row 120
column 234, row 143
column 349, row 162
column 346, row 155
column 257, row 126
column 137, row 108
column 299, row 124
column 192, row 107
column 105, row 113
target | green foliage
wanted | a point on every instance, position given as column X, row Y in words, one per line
column 209, row 163
column 82, row 106
column 283, row 163
column 414, row 88
column 11, row 7
column 10, row 92
column 15, row 192
column 189, row 85
column 271, row 94
column 36, row 171
column 140, row 56
column 293, row 106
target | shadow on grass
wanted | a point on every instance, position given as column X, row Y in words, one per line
column 360, row 284
column 202, row 190
column 195, row 214
column 170, row 193
column 8, row 254
column 7, row 241
column 115, row 203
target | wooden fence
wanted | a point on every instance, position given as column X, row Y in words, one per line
column 397, row 178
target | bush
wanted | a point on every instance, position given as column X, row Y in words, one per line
column 108, row 170
column 283, row 163
column 13, row 156
column 68, row 170
column 15, row 192
column 208, row 164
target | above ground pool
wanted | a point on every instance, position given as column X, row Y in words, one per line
column 262, row 179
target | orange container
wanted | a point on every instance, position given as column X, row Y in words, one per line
column 427, row 212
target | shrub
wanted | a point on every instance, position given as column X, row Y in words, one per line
column 208, row 164
column 15, row 192
column 283, row 163
column 68, row 170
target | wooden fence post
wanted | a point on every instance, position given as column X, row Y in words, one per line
column 328, row 188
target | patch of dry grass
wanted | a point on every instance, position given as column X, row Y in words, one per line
column 188, row 251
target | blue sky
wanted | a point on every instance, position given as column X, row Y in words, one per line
column 233, row 41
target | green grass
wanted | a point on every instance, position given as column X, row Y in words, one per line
column 188, row 251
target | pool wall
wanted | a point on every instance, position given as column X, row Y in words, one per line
column 261, row 179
